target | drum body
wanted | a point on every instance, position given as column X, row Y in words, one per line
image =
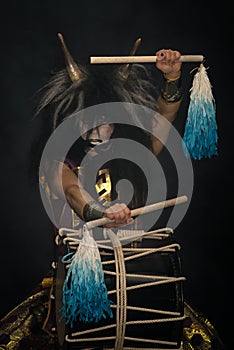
column 145, row 286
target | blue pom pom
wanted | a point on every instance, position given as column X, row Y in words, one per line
column 200, row 135
column 85, row 296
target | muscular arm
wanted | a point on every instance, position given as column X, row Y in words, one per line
column 74, row 192
column 168, row 111
column 65, row 185
column 168, row 64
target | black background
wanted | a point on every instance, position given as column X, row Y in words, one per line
column 30, row 52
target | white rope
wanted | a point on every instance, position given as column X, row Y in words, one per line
column 121, row 290
column 122, row 300
column 71, row 234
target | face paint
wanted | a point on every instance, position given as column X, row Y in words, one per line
column 97, row 134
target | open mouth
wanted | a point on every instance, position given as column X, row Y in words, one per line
column 97, row 142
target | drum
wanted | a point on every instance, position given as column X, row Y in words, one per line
column 145, row 285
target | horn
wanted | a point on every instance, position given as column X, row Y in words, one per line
column 125, row 69
column 72, row 68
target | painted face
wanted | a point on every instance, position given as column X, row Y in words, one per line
column 99, row 134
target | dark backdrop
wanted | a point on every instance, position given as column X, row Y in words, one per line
column 30, row 52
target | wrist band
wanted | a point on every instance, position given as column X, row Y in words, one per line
column 93, row 211
column 172, row 90
column 172, row 79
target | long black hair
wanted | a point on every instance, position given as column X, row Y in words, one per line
column 96, row 85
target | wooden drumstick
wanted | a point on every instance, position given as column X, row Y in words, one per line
column 142, row 210
column 141, row 59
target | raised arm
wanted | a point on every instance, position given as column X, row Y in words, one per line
column 168, row 102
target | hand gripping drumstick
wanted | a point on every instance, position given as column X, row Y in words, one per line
column 141, row 59
column 141, row 210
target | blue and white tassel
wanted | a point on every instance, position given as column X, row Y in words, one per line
column 200, row 135
column 85, row 295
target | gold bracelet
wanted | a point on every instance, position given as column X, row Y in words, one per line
column 169, row 80
column 172, row 91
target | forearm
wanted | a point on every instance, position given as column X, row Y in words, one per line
column 77, row 198
column 168, row 110
column 88, row 209
column 168, row 104
column 64, row 184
